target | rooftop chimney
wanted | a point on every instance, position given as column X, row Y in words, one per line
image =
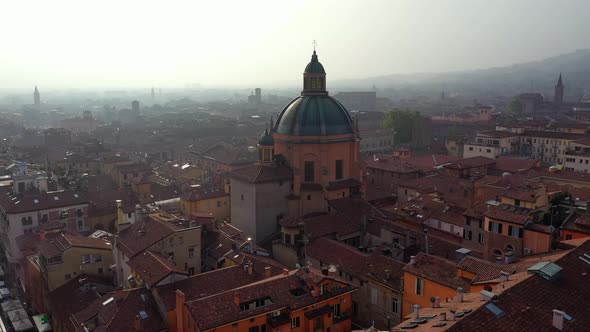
column 250, row 267
column 285, row 272
column 412, row 259
column 558, row 319
column 137, row 324
column 237, row 299
column 267, row 272
column 387, row 274
column 416, row 311
column 180, row 303
column 332, row 270
column 459, row 295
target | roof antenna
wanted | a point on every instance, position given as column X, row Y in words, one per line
column 314, row 43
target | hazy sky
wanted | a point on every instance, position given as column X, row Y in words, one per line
column 118, row 43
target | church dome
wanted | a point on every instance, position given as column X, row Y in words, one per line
column 314, row 115
column 266, row 139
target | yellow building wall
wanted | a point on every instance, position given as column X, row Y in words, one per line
column 219, row 207
column 72, row 261
column 429, row 289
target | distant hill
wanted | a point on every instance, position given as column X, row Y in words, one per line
column 537, row 76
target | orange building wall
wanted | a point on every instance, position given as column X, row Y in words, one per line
column 538, row 242
column 574, row 234
column 430, row 289
column 306, row 325
column 323, row 155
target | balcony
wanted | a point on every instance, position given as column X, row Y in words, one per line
column 343, row 317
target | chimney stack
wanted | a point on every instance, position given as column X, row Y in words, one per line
column 459, row 295
column 285, row 272
column 332, row 271
column 137, row 327
column 267, row 272
column 416, row 311
column 237, row 299
column 180, row 303
column 387, row 274
column 250, row 267
column 412, row 260
column 558, row 319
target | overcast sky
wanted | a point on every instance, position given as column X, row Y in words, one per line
column 125, row 43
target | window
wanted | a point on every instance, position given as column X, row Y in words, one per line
column 323, row 289
column 480, row 238
column 191, row 252
column 468, row 221
column 339, row 165
column 80, row 224
column 27, row 221
column 568, row 237
column 263, row 328
column 394, row 305
column 309, row 171
column 242, row 196
column 295, row 322
column 374, row 296
column 481, row 224
column 97, row 258
column 337, row 310
column 468, row 235
column 254, row 329
column 85, row 259
column 355, row 309
column 495, row 227
column 171, row 255
column 419, row 286
column 515, row 231
column 517, row 202
column 68, row 276
column 309, row 197
column 287, row 238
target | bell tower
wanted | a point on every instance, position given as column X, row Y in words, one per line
column 558, row 94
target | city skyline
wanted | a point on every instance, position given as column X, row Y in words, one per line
column 71, row 45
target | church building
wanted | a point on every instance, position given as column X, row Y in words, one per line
column 310, row 155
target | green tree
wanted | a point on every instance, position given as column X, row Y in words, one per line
column 515, row 106
column 402, row 121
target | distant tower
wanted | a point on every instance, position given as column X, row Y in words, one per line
column 37, row 97
column 135, row 107
column 558, row 95
column 153, row 93
column 258, row 95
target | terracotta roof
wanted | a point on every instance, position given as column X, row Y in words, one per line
column 205, row 284
column 51, row 200
column 482, row 269
column 203, row 194
column 514, row 165
column 118, row 315
column 71, row 296
column 529, row 305
column 229, row 155
column 134, row 167
column 323, row 224
column 58, row 244
column 496, row 134
column 360, row 265
column 141, row 235
column 583, row 141
column 537, row 228
column 553, row 135
column 342, row 184
column 578, row 222
column 153, row 267
column 220, row 309
column 472, row 162
column 438, row 270
column 509, row 213
column 262, row 174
